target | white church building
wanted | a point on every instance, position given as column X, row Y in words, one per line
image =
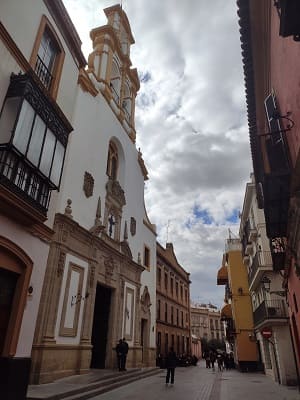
column 100, row 277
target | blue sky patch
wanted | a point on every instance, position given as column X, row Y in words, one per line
column 145, row 77
column 233, row 217
column 202, row 215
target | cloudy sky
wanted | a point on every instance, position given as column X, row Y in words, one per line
column 190, row 122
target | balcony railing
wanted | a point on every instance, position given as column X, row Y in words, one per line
column 43, row 73
column 261, row 259
column 24, row 180
column 270, row 310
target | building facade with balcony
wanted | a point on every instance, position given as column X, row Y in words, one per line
column 173, row 327
column 237, row 311
column 268, row 302
column 206, row 322
column 40, row 62
column 270, row 51
column 101, row 270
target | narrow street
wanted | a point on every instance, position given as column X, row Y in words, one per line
column 199, row 383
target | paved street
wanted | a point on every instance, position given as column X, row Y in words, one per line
column 199, row 383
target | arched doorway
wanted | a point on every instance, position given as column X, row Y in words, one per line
column 15, row 272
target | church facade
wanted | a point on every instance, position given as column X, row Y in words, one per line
column 100, row 276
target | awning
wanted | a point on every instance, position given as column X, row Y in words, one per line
column 222, row 277
column 226, row 311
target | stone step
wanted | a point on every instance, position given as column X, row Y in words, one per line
column 107, row 388
column 86, row 386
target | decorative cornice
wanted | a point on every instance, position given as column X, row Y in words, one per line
column 67, row 29
column 150, row 226
column 112, row 40
column 170, row 261
column 85, row 83
column 247, row 59
column 142, row 165
column 118, row 8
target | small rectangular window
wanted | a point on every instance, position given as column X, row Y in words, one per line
column 146, row 257
column 159, row 276
column 158, row 309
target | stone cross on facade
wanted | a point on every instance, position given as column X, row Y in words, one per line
column 111, row 222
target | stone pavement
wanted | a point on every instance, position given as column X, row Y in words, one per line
column 199, row 383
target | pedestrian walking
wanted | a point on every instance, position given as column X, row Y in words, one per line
column 212, row 357
column 171, row 363
column 119, row 354
column 207, row 359
column 220, row 361
column 124, row 352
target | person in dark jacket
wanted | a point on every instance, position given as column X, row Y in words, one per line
column 119, row 354
column 124, row 352
column 171, row 363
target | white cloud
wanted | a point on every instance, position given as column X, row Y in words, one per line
column 190, row 120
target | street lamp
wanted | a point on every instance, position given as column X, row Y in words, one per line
column 266, row 282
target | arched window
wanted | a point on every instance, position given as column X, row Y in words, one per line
column 112, row 162
column 126, row 103
column 115, row 82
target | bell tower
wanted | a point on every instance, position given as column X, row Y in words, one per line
column 109, row 66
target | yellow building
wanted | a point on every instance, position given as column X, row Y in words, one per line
column 237, row 312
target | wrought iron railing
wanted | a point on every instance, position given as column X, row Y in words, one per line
column 261, row 259
column 270, row 309
column 43, row 73
column 23, row 180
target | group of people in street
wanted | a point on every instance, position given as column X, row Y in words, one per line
column 223, row 360
column 122, row 351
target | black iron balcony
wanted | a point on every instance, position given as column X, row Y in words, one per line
column 270, row 310
column 33, row 138
column 43, row 73
column 24, row 180
column 262, row 261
